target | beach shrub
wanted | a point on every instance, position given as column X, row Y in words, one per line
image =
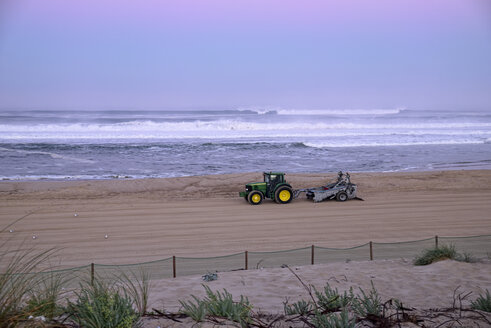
column 301, row 308
column 334, row 320
column 99, row 305
column 467, row 257
column 368, row 304
column 483, row 302
column 196, row 310
column 444, row 252
column 219, row 304
column 330, row 300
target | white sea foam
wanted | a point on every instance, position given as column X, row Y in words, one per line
column 144, row 127
column 339, row 112
column 320, row 112
column 122, row 144
column 51, row 154
column 390, row 144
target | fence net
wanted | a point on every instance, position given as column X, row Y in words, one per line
column 67, row 278
column 189, row 266
column 153, row 270
column 329, row 255
column 408, row 249
column 299, row 256
column 475, row 246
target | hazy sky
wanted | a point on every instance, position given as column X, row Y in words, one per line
column 240, row 53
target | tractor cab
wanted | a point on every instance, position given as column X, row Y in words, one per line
column 273, row 178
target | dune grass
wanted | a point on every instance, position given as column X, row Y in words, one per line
column 431, row 255
column 18, row 279
column 137, row 284
column 483, row 302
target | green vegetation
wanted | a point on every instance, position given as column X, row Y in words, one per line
column 444, row 252
column 368, row 304
column 99, row 305
column 137, row 285
column 483, row 302
column 43, row 298
column 301, row 307
column 218, row 304
column 330, row 300
column 335, row 320
column 15, row 287
column 331, row 309
column 196, row 310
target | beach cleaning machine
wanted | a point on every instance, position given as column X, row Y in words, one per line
column 275, row 187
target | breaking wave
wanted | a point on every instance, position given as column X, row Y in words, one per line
column 232, row 128
column 323, row 112
column 392, row 144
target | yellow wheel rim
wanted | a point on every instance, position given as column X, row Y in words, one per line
column 285, row 195
column 256, row 198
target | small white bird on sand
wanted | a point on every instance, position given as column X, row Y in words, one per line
column 75, row 214
column 106, row 236
column 11, row 230
column 34, row 236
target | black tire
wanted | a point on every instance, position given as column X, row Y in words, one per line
column 342, row 196
column 255, row 197
column 283, row 195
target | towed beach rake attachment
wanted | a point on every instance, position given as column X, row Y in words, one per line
column 341, row 190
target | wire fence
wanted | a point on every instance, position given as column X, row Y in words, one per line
column 477, row 246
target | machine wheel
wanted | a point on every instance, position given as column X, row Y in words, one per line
column 342, row 196
column 283, row 195
column 255, row 197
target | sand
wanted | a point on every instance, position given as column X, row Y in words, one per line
column 151, row 219
column 435, row 286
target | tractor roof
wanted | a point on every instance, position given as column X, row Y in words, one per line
column 274, row 173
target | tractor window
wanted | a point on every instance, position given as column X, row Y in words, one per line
column 268, row 178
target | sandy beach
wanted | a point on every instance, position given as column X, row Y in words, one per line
column 152, row 219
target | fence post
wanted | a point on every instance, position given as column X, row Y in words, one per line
column 173, row 266
column 312, row 257
column 436, row 241
column 371, row 251
column 92, row 273
column 246, row 260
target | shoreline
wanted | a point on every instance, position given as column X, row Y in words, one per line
column 130, row 178
column 367, row 182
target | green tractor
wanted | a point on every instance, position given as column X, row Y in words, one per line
column 274, row 187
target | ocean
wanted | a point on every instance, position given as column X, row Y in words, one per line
column 124, row 144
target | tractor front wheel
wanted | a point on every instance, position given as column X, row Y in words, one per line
column 255, row 197
column 283, row 195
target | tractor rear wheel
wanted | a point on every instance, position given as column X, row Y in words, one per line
column 283, row 195
column 342, row 196
column 255, row 197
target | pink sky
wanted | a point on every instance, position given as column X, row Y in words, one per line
column 241, row 52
